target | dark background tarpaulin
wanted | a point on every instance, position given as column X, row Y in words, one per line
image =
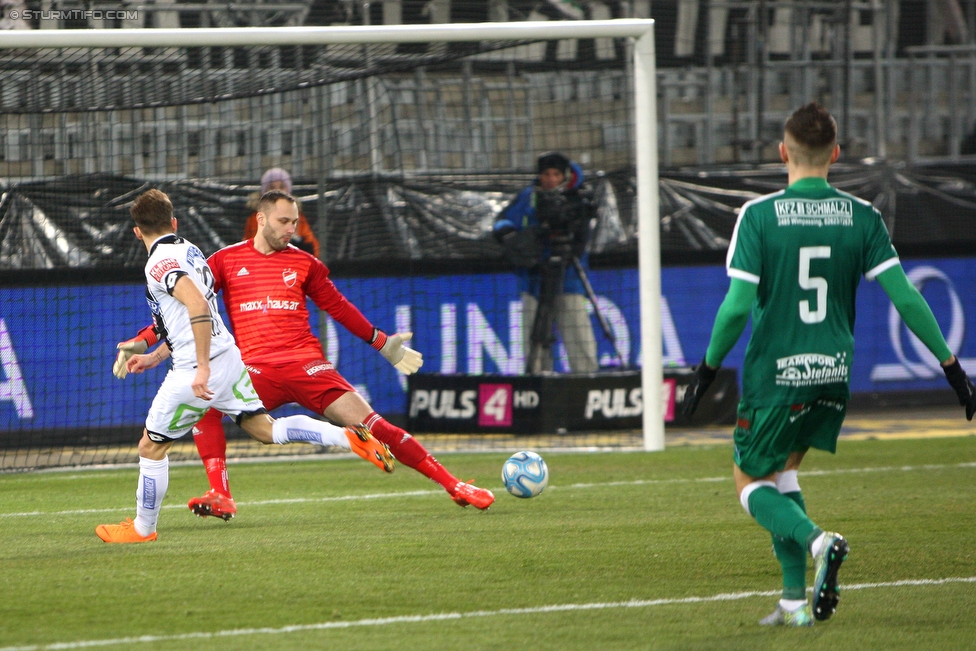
column 82, row 222
column 928, row 209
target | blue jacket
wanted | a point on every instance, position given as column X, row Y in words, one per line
column 521, row 214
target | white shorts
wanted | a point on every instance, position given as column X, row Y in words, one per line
column 175, row 410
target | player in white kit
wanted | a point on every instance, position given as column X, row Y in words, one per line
column 207, row 370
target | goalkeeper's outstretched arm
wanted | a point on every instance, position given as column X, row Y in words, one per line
column 143, row 341
column 917, row 315
column 392, row 348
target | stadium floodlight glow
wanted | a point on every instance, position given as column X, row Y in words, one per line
column 645, row 120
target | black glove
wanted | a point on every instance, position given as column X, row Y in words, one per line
column 500, row 234
column 964, row 388
column 700, row 381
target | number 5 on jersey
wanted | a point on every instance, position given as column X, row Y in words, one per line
column 817, row 283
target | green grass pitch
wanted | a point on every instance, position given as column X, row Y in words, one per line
column 622, row 551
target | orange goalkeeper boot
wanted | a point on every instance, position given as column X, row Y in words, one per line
column 124, row 532
column 363, row 443
column 213, row 503
column 466, row 493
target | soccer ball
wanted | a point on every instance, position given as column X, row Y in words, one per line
column 525, row 474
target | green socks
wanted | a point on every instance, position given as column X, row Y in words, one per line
column 798, row 498
column 792, row 559
column 780, row 515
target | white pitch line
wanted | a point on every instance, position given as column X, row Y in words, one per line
column 296, row 500
column 424, row 493
column 437, row 617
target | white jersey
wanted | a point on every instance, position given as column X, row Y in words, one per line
column 171, row 258
column 175, row 409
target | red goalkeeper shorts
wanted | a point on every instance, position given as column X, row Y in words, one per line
column 314, row 385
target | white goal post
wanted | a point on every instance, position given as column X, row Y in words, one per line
column 645, row 119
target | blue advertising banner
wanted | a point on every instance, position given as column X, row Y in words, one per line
column 57, row 343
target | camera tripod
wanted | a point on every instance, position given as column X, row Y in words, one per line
column 553, row 274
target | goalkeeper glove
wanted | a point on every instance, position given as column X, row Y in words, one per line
column 136, row 346
column 404, row 359
column 700, row 381
column 963, row 386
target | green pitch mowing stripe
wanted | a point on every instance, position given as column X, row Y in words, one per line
column 437, row 617
column 497, row 489
column 297, row 500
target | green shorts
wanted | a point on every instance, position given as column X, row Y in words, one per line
column 765, row 436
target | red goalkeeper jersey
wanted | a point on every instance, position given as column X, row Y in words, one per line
column 265, row 300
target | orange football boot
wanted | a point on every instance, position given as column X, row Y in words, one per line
column 466, row 493
column 363, row 443
column 213, row 503
column 124, row 532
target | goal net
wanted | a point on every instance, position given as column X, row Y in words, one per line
column 402, row 143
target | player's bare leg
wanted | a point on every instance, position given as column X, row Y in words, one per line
column 794, row 460
column 208, row 435
column 351, row 408
column 153, row 482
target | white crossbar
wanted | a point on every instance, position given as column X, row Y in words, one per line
column 241, row 36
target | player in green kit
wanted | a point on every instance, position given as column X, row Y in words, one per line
column 795, row 260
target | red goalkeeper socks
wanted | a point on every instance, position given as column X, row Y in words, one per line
column 208, row 435
column 431, row 468
column 217, row 475
column 410, row 452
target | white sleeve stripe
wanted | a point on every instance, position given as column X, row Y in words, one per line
column 881, row 268
column 743, row 275
column 735, row 229
column 732, row 242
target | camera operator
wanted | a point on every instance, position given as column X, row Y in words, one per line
column 544, row 228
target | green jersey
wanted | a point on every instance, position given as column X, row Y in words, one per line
column 806, row 248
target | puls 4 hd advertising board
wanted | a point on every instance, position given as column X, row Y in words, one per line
column 57, row 344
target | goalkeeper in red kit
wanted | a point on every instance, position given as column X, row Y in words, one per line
column 265, row 282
